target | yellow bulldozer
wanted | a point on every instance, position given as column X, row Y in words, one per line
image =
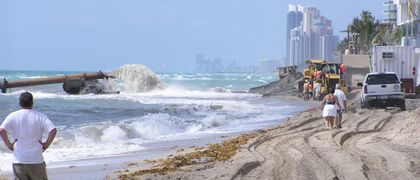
column 327, row 73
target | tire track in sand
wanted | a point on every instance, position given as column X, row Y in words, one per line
column 384, row 159
column 289, row 157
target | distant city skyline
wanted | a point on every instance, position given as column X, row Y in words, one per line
column 163, row 35
column 204, row 64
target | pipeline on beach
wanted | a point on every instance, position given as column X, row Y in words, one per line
column 129, row 77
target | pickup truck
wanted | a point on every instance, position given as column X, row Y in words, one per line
column 382, row 90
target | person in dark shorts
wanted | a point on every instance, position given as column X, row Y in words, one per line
column 28, row 126
column 310, row 90
column 341, row 97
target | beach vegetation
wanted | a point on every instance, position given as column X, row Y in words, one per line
column 365, row 31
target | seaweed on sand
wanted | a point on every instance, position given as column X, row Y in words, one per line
column 213, row 152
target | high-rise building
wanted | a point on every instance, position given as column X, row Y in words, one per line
column 216, row 65
column 390, row 12
column 208, row 66
column 329, row 45
column 403, row 13
column 298, row 47
column 202, row 65
column 407, row 10
column 294, row 19
column 313, row 38
column 308, row 18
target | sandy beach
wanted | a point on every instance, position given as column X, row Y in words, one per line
column 373, row 144
column 210, row 90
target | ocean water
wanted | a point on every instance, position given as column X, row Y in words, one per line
column 185, row 106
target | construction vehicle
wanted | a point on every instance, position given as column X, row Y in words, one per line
column 313, row 66
column 285, row 71
column 330, row 76
column 327, row 73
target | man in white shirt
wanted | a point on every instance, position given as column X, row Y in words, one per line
column 341, row 97
column 27, row 127
column 317, row 89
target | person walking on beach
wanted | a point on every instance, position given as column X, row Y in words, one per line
column 342, row 107
column 317, row 89
column 329, row 108
column 27, row 127
column 310, row 90
column 306, row 90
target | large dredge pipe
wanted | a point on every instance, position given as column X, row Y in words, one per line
column 4, row 84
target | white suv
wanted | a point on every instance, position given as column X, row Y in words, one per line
column 382, row 90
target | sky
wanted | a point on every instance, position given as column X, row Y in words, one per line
column 164, row 35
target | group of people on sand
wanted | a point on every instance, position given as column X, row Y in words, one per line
column 312, row 88
column 333, row 106
column 310, row 91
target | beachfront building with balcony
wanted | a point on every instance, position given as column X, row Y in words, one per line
column 404, row 59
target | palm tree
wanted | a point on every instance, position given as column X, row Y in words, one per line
column 364, row 31
column 397, row 34
column 389, row 36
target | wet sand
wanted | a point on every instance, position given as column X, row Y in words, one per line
column 106, row 167
column 373, row 144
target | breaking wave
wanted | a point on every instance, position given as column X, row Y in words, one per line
column 137, row 78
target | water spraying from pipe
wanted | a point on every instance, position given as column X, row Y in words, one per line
column 137, row 78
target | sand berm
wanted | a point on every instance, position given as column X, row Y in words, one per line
column 373, row 144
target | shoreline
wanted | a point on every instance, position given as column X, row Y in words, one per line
column 373, row 144
column 232, row 139
column 106, row 167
